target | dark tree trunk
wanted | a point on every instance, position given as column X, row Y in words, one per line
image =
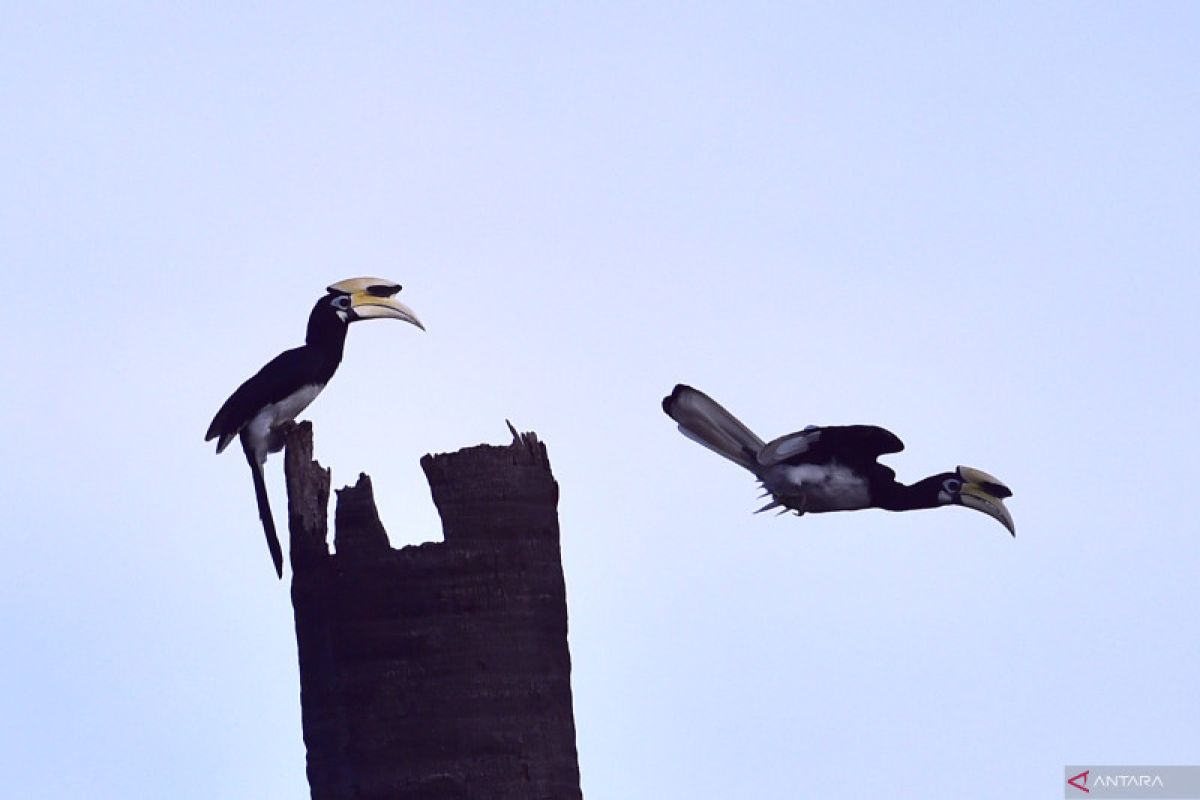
column 439, row 670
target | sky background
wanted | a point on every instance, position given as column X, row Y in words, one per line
column 973, row 224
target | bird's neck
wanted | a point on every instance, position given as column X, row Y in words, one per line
column 899, row 497
column 326, row 336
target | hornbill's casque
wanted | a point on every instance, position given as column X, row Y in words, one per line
column 261, row 411
column 833, row 468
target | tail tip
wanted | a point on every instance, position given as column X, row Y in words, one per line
column 673, row 397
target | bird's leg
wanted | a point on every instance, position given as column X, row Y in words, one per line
column 278, row 436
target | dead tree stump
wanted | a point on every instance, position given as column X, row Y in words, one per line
column 439, row 670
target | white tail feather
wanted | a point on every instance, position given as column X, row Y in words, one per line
column 705, row 421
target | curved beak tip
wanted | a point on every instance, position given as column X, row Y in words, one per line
column 985, row 493
column 384, row 308
column 980, row 500
column 1002, row 516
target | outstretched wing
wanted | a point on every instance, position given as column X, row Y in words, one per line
column 849, row 444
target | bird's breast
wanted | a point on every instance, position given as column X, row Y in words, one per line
column 290, row 407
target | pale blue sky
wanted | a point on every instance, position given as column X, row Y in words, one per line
column 974, row 224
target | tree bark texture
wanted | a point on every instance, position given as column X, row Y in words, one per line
column 437, row 671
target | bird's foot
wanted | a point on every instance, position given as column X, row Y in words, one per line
column 278, row 436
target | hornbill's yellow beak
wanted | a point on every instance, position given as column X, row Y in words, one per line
column 982, row 492
column 374, row 298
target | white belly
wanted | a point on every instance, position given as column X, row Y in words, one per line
column 816, row 488
column 264, row 423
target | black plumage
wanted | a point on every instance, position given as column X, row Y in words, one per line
column 832, row 468
column 312, row 364
column 262, row 410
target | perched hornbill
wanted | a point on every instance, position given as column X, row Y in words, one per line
column 830, row 469
column 263, row 408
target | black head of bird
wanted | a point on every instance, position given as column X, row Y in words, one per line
column 965, row 486
column 265, row 406
column 834, row 468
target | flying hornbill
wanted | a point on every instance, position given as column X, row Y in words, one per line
column 262, row 410
column 831, row 468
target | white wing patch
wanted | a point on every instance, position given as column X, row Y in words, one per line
column 783, row 448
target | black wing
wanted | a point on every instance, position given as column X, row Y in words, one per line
column 854, row 445
column 282, row 375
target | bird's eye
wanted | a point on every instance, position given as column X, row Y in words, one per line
column 342, row 301
column 952, row 485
